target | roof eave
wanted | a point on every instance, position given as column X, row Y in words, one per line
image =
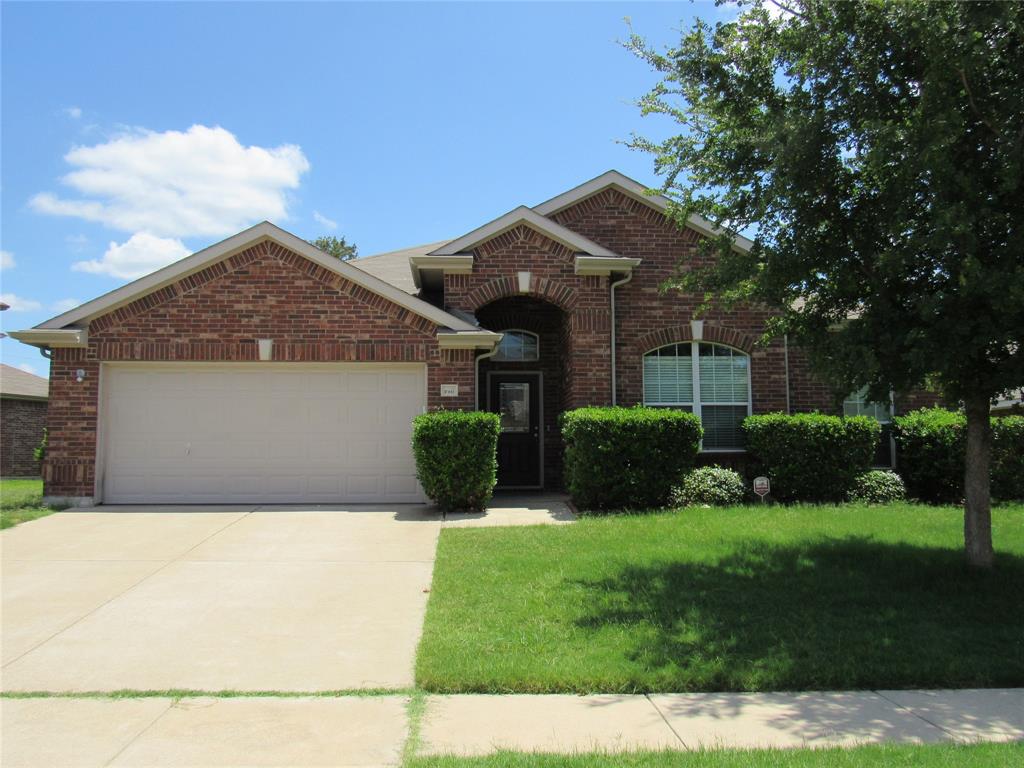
column 232, row 245
column 50, row 338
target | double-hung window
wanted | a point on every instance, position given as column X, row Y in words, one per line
column 710, row 380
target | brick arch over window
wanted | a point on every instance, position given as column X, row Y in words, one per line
column 715, row 334
column 561, row 295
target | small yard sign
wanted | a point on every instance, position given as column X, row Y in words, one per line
column 762, row 486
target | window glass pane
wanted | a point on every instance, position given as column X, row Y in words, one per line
column 668, row 376
column 722, row 426
column 723, row 375
column 514, row 406
column 517, row 346
column 857, row 404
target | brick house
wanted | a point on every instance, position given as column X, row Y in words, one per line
column 261, row 369
column 22, row 420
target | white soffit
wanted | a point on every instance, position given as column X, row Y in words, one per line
column 232, row 245
column 521, row 215
column 635, row 190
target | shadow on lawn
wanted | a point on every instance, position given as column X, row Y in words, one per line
column 829, row 614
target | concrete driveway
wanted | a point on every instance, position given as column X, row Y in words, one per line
column 208, row 598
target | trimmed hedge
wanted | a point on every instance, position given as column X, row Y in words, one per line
column 627, row 458
column 930, row 451
column 456, row 457
column 715, row 486
column 810, row 456
column 878, row 486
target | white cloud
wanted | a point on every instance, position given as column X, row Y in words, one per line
column 18, row 304
column 323, row 221
column 28, row 368
column 141, row 254
column 200, row 182
column 73, row 112
column 7, row 260
column 77, row 243
column 64, row 305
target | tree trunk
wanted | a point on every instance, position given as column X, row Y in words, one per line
column 977, row 498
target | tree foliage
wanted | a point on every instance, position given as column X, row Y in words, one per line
column 876, row 147
column 336, row 247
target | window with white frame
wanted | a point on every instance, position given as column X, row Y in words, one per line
column 518, row 347
column 710, row 380
column 858, row 404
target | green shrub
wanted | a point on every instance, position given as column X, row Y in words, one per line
column 715, row 486
column 930, row 454
column 39, row 452
column 627, row 458
column 810, row 456
column 878, row 486
column 930, row 450
column 1008, row 458
column 456, row 457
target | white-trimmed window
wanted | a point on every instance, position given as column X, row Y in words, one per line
column 518, row 346
column 858, row 404
column 716, row 387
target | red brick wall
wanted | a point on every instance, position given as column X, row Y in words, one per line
column 583, row 299
column 266, row 291
column 21, row 430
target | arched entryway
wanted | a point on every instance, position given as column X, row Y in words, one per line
column 526, row 382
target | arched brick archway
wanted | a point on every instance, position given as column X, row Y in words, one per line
column 561, row 295
column 715, row 334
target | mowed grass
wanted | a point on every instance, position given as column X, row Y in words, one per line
column 739, row 599
column 888, row 755
column 21, row 500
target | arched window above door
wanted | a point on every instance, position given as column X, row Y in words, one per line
column 518, row 346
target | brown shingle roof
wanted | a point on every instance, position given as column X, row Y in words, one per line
column 393, row 267
column 15, row 382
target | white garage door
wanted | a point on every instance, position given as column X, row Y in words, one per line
column 272, row 433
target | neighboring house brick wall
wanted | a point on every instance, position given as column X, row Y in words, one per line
column 266, row 291
column 21, row 430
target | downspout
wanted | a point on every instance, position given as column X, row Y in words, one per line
column 623, row 281
column 785, row 346
column 476, row 383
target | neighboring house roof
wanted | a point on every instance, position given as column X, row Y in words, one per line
column 393, row 266
column 1010, row 400
column 226, row 248
column 22, row 385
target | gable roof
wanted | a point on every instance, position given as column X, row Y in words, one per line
column 635, row 190
column 533, row 219
column 15, row 382
column 232, row 245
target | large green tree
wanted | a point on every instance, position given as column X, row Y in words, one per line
column 337, row 247
column 876, row 149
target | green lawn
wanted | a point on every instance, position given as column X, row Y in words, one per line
column 932, row 756
column 21, row 500
column 747, row 598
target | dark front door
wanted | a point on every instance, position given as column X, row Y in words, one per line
column 516, row 398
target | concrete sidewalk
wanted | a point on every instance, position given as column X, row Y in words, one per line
column 371, row 730
column 477, row 725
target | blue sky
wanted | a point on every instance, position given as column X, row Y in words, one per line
column 133, row 134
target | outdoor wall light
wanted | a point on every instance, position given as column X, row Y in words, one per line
column 266, row 347
column 80, row 375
